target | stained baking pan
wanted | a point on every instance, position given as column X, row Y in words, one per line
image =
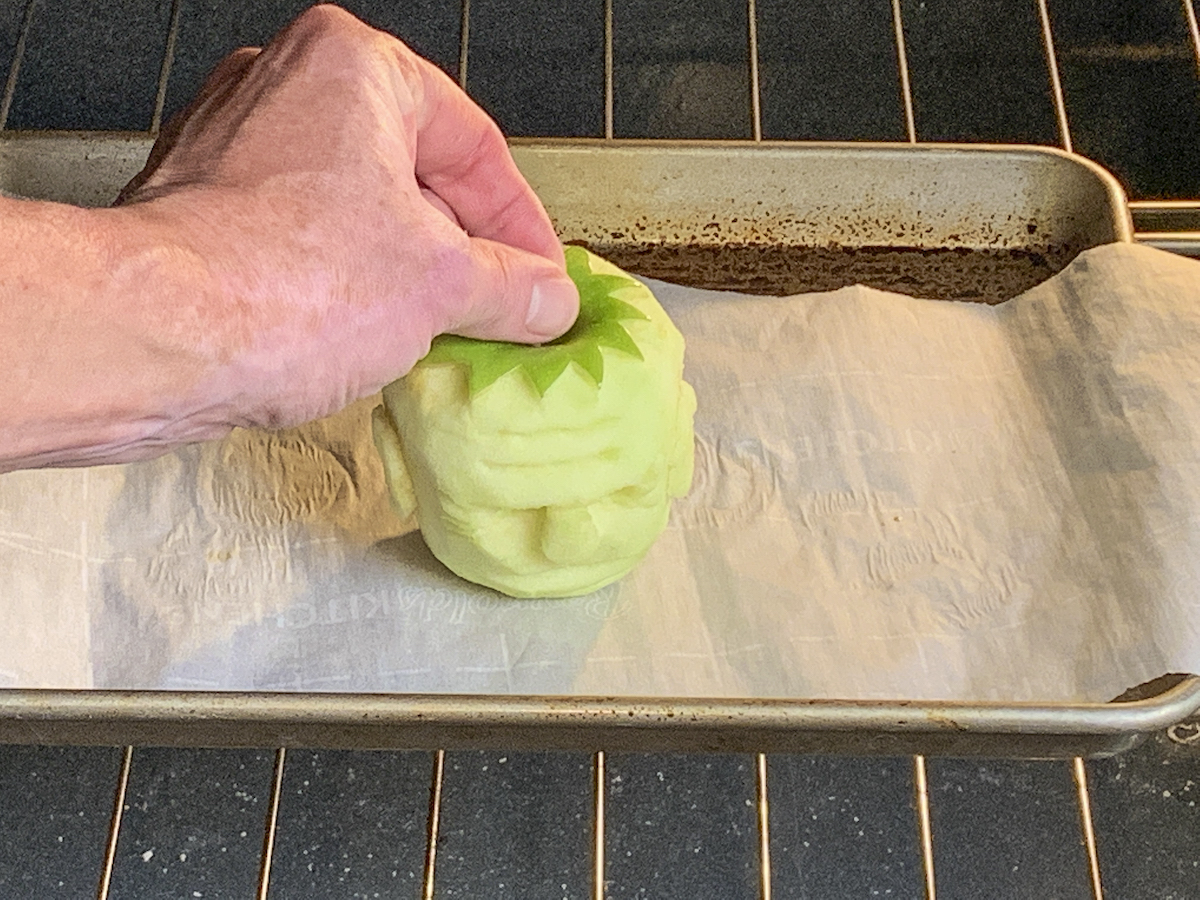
column 978, row 223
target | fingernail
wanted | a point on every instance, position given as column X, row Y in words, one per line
column 553, row 306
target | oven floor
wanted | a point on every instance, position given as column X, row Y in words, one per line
column 353, row 824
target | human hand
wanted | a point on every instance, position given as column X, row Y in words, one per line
column 344, row 202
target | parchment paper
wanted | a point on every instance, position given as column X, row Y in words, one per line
column 894, row 498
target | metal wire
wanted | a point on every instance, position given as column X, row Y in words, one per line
column 1189, row 12
column 1181, row 205
column 924, row 825
column 464, row 38
column 755, row 96
column 160, row 99
column 1079, row 770
column 764, row 828
column 608, row 69
column 1060, row 106
column 598, row 788
column 270, row 826
column 114, row 825
column 1165, row 215
column 433, row 824
column 10, row 86
column 1184, row 243
column 902, row 61
column 1168, row 224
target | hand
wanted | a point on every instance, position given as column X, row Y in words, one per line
column 346, row 202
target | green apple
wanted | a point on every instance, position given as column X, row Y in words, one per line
column 546, row 470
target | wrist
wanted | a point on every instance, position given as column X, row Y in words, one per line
column 181, row 324
column 107, row 329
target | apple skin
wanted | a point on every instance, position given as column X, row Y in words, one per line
column 548, row 494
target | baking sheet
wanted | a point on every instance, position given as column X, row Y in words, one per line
column 895, row 499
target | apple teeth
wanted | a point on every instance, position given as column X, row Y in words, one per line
column 599, row 325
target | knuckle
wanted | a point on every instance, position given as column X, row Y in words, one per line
column 231, row 68
column 323, row 18
column 242, row 55
column 488, row 143
column 330, row 36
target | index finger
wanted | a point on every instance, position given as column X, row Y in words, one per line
column 462, row 157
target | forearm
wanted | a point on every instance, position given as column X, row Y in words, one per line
column 260, row 274
column 109, row 336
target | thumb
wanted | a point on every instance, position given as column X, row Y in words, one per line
column 515, row 295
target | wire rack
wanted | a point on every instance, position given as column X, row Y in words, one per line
column 598, row 869
column 1169, row 224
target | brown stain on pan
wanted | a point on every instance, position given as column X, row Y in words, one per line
column 988, row 262
column 990, row 275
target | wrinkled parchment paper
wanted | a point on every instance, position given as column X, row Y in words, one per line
column 894, row 498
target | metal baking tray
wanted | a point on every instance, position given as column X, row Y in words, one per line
column 975, row 222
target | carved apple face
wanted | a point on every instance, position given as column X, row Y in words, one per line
column 546, row 471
